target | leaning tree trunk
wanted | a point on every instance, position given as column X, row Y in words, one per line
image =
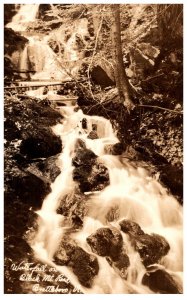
column 122, row 82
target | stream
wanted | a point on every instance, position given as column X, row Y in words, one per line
column 132, row 194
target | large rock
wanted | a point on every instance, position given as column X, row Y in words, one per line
column 106, row 242
column 73, row 207
column 29, row 187
column 130, row 227
column 120, row 265
column 13, row 49
column 9, row 12
column 150, row 247
column 41, row 143
column 47, row 168
column 161, row 282
column 85, row 266
column 102, row 73
column 90, row 174
column 172, row 177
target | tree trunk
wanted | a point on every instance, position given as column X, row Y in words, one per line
column 122, row 83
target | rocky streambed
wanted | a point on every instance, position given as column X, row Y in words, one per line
column 31, row 165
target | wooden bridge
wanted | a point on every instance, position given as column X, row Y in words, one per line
column 34, row 85
column 57, row 100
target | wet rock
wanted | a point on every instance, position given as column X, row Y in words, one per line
column 26, row 185
column 106, row 242
column 115, row 149
column 85, row 266
column 172, row 177
column 49, row 168
column 84, row 157
column 161, row 282
column 92, row 135
column 91, row 177
column 130, row 227
column 9, row 12
column 41, row 143
column 121, row 264
column 91, row 174
column 19, row 41
column 150, row 247
column 73, row 206
column 84, row 123
column 29, row 187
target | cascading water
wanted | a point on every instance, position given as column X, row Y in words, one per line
column 132, row 192
column 25, row 15
column 46, row 66
column 39, row 57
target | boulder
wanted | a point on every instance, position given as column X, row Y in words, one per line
column 106, row 242
column 9, row 12
column 120, row 265
column 161, row 282
column 85, row 266
column 91, row 177
column 83, row 157
column 40, row 143
column 48, row 167
column 73, row 207
column 29, row 187
column 102, row 74
column 90, row 174
column 130, row 227
column 150, row 247
column 172, row 177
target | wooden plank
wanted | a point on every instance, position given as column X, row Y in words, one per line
column 37, row 86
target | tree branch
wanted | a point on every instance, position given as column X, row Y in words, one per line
column 163, row 108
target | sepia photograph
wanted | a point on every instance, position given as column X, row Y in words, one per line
column 93, row 148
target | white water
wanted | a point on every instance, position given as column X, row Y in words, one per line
column 38, row 56
column 132, row 193
column 41, row 58
column 25, row 15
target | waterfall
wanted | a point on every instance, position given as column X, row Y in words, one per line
column 46, row 66
column 137, row 197
column 38, row 56
column 26, row 14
